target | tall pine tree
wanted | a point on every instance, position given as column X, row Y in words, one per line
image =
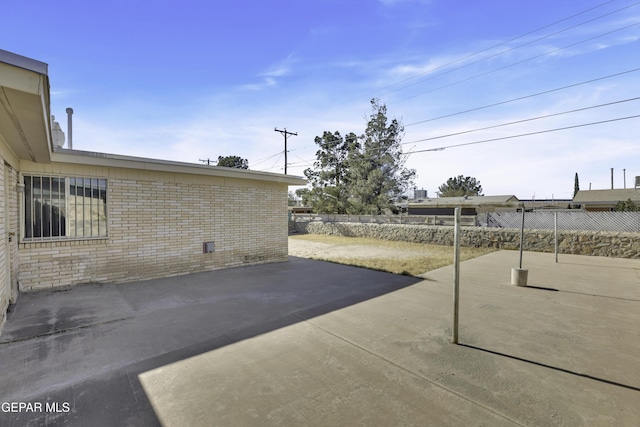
column 359, row 175
column 378, row 173
column 330, row 177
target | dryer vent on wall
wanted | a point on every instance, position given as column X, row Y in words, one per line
column 208, row 247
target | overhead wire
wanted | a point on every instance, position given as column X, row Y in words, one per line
column 495, row 46
column 546, row 116
column 519, row 99
column 441, row 148
column 276, row 162
column 527, row 134
column 308, row 162
column 523, row 97
column 279, row 153
column 523, row 61
column 510, row 49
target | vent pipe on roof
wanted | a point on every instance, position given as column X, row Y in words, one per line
column 69, row 128
column 612, row 178
column 624, row 178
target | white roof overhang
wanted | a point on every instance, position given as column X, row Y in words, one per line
column 90, row 158
column 24, row 107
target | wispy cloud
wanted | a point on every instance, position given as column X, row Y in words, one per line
column 271, row 76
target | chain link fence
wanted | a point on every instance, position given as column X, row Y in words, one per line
column 466, row 220
column 566, row 220
column 539, row 220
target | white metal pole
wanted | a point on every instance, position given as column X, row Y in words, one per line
column 456, row 274
column 521, row 236
column 555, row 233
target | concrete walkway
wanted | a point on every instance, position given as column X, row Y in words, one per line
column 313, row 343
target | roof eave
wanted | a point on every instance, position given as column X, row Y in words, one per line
column 63, row 155
column 24, row 107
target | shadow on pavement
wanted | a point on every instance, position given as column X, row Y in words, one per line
column 84, row 348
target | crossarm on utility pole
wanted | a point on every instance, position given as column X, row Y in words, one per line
column 285, row 132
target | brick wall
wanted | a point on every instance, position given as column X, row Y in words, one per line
column 157, row 225
column 4, row 287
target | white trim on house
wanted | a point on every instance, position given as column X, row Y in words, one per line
column 89, row 158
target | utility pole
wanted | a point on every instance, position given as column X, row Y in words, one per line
column 285, row 132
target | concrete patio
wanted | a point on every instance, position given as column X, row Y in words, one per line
column 314, row 343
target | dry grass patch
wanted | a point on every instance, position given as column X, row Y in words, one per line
column 406, row 258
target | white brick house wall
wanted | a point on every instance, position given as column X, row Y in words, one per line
column 157, row 225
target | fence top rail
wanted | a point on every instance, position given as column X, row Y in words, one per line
column 403, row 216
column 469, row 204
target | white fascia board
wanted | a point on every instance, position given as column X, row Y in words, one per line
column 23, row 62
column 20, row 79
column 90, row 158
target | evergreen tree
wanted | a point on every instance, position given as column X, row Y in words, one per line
column 378, row 175
column 460, row 186
column 359, row 174
column 576, row 185
column 330, row 177
column 233, row 162
column 626, row 206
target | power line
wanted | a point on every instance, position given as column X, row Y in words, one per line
column 279, row 153
column 442, row 148
column 526, row 134
column 510, row 49
column 308, row 163
column 524, row 60
column 276, row 162
column 495, row 46
column 522, row 97
column 523, row 120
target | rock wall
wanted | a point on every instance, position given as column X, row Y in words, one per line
column 595, row 243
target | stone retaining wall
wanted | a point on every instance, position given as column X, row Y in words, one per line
column 595, row 243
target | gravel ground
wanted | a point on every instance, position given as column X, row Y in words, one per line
column 307, row 249
column 395, row 257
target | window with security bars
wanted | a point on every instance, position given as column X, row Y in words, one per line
column 64, row 207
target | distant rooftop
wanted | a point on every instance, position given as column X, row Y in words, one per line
column 465, row 201
column 616, row 195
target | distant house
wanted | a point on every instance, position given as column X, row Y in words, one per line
column 605, row 200
column 71, row 217
column 547, row 204
column 420, row 194
column 300, row 209
column 470, row 205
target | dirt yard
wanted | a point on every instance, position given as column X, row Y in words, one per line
column 412, row 259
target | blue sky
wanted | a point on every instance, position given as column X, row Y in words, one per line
column 193, row 80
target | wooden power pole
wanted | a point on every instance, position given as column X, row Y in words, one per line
column 285, row 132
